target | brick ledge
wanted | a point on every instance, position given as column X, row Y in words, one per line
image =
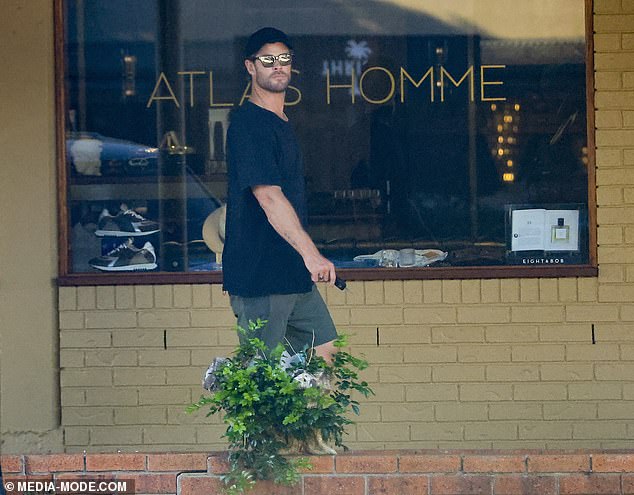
column 393, row 472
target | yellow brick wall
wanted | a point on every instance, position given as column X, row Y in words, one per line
column 458, row 364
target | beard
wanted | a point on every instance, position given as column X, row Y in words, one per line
column 273, row 82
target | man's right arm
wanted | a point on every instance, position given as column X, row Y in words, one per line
column 283, row 218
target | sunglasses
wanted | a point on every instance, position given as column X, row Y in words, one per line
column 269, row 60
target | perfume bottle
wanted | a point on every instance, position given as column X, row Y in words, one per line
column 560, row 232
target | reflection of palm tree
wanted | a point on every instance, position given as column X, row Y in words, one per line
column 358, row 51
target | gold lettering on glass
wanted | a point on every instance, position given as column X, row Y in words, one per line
column 296, row 90
column 429, row 73
column 154, row 95
column 211, row 93
column 484, row 83
column 469, row 73
column 392, row 83
column 339, row 86
column 191, row 74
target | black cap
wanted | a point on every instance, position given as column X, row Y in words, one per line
column 263, row 36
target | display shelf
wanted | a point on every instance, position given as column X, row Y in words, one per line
column 122, row 188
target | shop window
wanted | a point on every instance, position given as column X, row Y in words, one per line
column 440, row 139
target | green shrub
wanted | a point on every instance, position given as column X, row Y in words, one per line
column 269, row 413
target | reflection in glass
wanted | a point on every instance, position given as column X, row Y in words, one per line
column 420, row 122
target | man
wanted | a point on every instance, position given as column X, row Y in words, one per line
column 269, row 262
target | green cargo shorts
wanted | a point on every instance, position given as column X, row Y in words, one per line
column 295, row 320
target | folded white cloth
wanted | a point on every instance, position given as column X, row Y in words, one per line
column 424, row 257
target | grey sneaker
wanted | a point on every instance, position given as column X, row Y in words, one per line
column 126, row 223
column 126, row 258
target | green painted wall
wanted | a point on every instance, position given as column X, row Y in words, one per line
column 29, row 377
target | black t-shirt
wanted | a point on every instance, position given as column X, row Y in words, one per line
column 261, row 150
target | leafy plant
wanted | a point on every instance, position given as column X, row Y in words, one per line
column 270, row 410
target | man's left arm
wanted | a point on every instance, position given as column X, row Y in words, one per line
column 283, row 218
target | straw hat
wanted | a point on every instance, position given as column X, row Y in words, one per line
column 214, row 229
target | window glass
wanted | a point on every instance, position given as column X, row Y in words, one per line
column 433, row 133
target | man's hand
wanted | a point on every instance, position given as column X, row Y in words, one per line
column 283, row 218
column 320, row 268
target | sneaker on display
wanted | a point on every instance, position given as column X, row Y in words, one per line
column 126, row 257
column 126, row 223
